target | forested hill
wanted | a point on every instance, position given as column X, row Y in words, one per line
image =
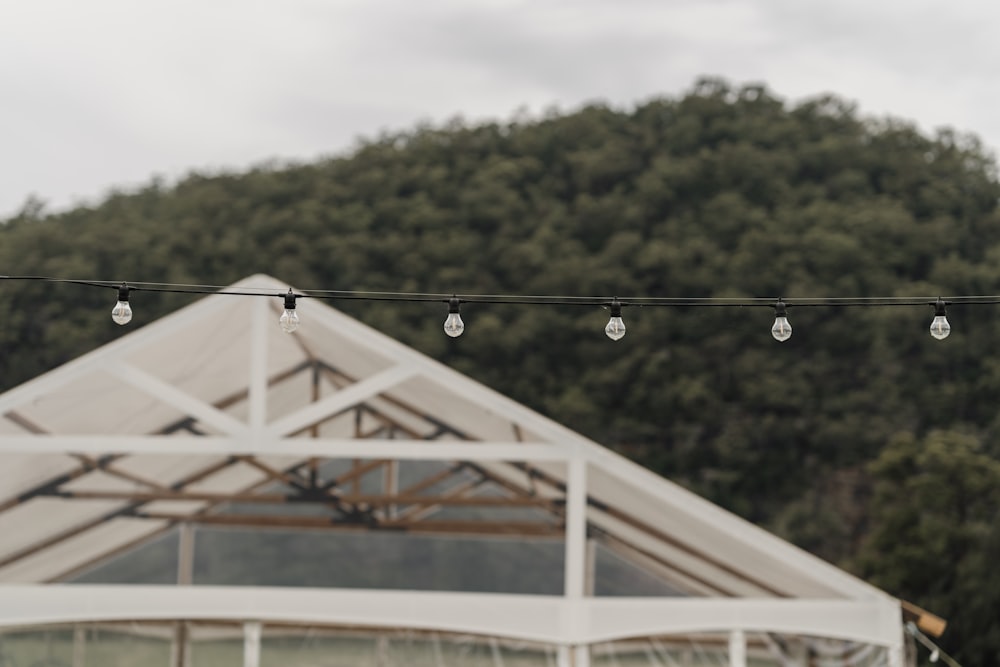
column 861, row 438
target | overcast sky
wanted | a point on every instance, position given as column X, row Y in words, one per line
column 96, row 94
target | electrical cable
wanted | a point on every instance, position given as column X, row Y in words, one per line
column 940, row 328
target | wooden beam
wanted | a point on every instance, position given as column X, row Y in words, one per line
column 336, row 403
column 106, row 467
column 374, row 500
column 275, row 475
column 447, row 526
column 356, row 473
column 925, row 621
column 418, row 513
column 62, row 536
column 440, row 426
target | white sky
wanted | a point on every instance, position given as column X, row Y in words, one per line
column 96, row 94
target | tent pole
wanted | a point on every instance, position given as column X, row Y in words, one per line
column 737, row 649
column 251, row 644
column 574, row 587
column 79, row 646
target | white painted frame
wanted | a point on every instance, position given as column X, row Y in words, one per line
column 572, row 621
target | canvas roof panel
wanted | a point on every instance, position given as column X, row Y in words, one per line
column 212, row 368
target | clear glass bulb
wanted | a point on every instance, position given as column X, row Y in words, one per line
column 289, row 320
column 940, row 327
column 121, row 313
column 781, row 330
column 615, row 329
column 454, row 326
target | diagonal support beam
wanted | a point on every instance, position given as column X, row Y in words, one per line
column 184, row 402
column 338, row 402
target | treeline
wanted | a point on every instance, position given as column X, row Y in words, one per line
column 861, row 438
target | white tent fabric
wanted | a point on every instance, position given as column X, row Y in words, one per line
column 160, row 426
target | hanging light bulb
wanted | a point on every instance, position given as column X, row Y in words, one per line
column 122, row 312
column 935, row 654
column 616, row 326
column 939, row 326
column 454, row 326
column 781, row 329
column 289, row 319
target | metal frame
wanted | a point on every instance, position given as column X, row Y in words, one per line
column 526, row 460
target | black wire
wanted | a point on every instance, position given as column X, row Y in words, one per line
column 531, row 300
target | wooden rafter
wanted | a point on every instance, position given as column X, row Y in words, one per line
column 129, row 509
column 374, row 500
column 107, row 468
column 355, row 510
column 442, row 526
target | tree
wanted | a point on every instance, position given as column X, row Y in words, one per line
column 935, row 536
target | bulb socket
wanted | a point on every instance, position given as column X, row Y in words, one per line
column 290, row 300
column 454, row 304
column 780, row 309
column 123, row 291
column 616, row 307
column 940, row 307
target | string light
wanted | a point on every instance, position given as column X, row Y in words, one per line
column 289, row 319
column 781, row 329
column 615, row 329
column 122, row 312
column 939, row 326
column 936, row 653
column 453, row 325
column 616, row 326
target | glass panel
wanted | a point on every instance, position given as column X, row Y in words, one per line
column 382, row 560
column 307, row 648
column 144, row 646
column 154, row 562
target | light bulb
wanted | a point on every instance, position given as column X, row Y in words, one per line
column 122, row 312
column 939, row 326
column 289, row 319
column 616, row 325
column 781, row 329
column 453, row 325
column 935, row 655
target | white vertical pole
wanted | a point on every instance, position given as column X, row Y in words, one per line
column 258, row 363
column 382, row 651
column 576, row 529
column 737, row 649
column 251, row 644
column 574, row 586
column 79, row 646
column 495, row 650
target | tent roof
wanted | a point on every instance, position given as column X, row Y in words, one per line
column 214, row 403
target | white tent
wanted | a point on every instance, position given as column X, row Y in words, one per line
column 214, row 405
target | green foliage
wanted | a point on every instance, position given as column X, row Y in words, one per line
column 935, row 535
column 724, row 192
